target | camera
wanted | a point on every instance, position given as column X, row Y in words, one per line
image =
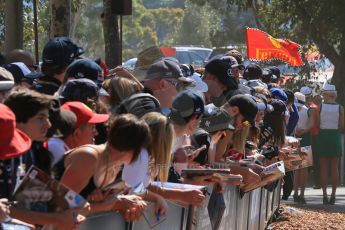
column 269, row 152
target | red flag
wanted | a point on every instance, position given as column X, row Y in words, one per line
column 262, row 46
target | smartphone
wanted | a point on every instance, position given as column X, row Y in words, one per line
column 151, row 217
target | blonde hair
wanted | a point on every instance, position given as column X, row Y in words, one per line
column 121, row 88
column 163, row 135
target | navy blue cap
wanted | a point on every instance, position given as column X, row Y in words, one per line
column 221, row 67
column 61, row 50
column 79, row 90
column 21, row 72
column 278, row 93
column 188, row 103
column 84, row 68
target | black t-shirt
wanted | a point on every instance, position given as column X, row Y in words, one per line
column 8, row 177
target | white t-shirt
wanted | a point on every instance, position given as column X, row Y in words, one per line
column 58, row 148
column 137, row 172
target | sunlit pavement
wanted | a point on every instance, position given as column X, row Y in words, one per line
column 314, row 199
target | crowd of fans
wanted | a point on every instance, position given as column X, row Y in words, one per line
column 88, row 126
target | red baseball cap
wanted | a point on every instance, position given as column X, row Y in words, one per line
column 84, row 114
column 13, row 142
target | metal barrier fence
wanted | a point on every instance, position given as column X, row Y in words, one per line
column 251, row 212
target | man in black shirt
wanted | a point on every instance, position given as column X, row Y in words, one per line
column 57, row 54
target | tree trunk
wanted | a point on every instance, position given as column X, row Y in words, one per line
column 60, row 19
column 13, row 25
column 111, row 36
column 338, row 79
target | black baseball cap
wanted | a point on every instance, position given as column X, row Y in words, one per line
column 246, row 105
column 61, row 50
column 84, row 68
column 221, row 67
column 216, row 119
column 188, row 103
column 166, row 68
column 252, row 71
column 139, row 104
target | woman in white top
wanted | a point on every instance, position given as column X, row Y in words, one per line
column 302, row 131
column 328, row 144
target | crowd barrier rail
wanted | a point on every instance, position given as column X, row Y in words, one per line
column 252, row 211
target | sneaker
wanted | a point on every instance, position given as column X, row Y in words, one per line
column 332, row 200
column 317, row 187
column 301, row 200
column 325, row 199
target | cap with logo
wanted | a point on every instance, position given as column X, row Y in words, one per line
column 6, row 80
column 216, row 119
column 13, row 142
column 21, row 72
column 221, row 67
column 61, row 51
column 84, row 114
column 84, row 68
column 187, row 103
column 166, row 68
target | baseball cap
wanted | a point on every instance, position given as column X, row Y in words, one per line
column 278, row 93
column 84, row 68
column 13, row 142
column 79, row 90
column 187, row 103
column 299, row 98
column 166, row 68
column 19, row 71
column 275, row 71
column 139, row 104
column 216, row 119
column 236, row 54
column 246, row 105
column 306, row 91
column 61, row 50
column 6, row 79
column 252, row 71
column 221, row 67
column 84, row 114
column 279, row 107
